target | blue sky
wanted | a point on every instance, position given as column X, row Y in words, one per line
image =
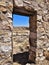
column 20, row 20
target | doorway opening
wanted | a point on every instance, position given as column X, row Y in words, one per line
column 20, row 39
column 31, row 56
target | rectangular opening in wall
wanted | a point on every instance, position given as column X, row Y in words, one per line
column 20, row 37
column 20, row 21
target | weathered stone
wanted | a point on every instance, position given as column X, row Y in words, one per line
column 18, row 3
column 38, row 11
column 3, row 9
column 2, row 3
column 27, row 64
column 33, row 35
column 32, row 56
column 33, row 42
column 5, row 48
column 46, row 54
column 33, row 49
column 42, row 58
column 48, row 49
column 39, row 17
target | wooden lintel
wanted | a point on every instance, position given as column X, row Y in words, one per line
column 23, row 11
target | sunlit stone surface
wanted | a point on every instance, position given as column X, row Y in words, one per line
column 25, row 7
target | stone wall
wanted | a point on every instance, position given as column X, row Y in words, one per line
column 42, row 42
column 6, row 8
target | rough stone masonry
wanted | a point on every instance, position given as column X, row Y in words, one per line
column 6, row 8
column 39, row 50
